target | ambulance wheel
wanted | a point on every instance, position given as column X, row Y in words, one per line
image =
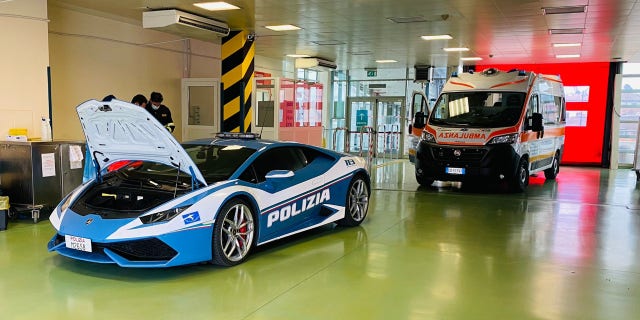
column 357, row 203
column 552, row 172
column 233, row 233
column 521, row 180
column 425, row 182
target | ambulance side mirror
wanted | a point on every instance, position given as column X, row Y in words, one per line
column 535, row 122
column 419, row 120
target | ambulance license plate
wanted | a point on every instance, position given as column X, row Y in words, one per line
column 77, row 243
column 451, row 170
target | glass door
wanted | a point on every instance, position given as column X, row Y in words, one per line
column 374, row 126
column 389, row 127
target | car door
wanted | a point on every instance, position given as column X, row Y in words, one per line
column 286, row 205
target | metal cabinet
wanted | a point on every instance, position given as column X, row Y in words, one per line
column 37, row 175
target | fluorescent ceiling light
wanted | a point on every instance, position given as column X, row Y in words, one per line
column 455, row 49
column 437, row 37
column 471, row 59
column 562, row 10
column 564, row 56
column 560, row 45
column 216, row 6
column 298, row 56
column 283, row 27
column 386, row 61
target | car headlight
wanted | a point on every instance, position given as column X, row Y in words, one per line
column 66, row 203
column 162, row 216
column 507, row 138
column 428, row 137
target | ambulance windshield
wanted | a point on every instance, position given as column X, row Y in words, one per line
column 478, row 109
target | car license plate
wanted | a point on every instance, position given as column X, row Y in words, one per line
column 451, row 170
column 77, row 243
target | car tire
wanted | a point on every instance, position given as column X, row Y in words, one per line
column 552, row 172
column 357, row 203
column 520, row 180
column 233, row 233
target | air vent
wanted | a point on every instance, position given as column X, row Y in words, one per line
column 221, row 29
column 360, row 53
column 328, row 42
column 423, row 73
column 185, row 24
column 563, row 10
column 567, row 31
column 407, row 19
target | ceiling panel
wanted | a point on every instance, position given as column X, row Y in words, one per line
column 510, row 31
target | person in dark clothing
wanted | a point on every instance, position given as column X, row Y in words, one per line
column 160, row 111
column 139, row 100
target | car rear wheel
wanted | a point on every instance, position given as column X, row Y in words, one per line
column 233, row 235
column 357, row 203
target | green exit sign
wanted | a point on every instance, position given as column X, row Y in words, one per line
column 372, row 73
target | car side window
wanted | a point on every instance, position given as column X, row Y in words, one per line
column 283, row 158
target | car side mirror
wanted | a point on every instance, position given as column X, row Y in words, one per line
column 419, row 120
column 279, row 174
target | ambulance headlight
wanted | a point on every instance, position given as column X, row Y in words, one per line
column 507, row 138
column 428, row 137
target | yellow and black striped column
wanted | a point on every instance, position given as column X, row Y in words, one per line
column 237, row 79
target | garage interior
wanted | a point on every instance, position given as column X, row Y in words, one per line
column 563, row 249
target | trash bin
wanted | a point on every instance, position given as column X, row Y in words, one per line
column 4, row 212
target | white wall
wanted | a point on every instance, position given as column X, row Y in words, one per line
column 23, row 65
column 92, row 57
column 277, row 68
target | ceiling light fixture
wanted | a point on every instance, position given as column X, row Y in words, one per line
column 563, row 45
column 283, row 27
column 298, row 55
column 471, row 59
column 565, row 56
column 386, row 61
column 216, row 6
column 563, row 10
column 455, row 49
column 437, row 37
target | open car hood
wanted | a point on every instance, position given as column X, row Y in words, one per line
column 117, row 130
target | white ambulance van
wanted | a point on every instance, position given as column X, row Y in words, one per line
column 492, row 126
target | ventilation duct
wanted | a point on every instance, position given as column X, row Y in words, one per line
column 315, row 63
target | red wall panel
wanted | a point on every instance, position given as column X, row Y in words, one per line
column 583, row 145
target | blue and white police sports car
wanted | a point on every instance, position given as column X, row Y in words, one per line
column 156, row 203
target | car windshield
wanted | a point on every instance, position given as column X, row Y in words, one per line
column 478, row 109
column 218, row 162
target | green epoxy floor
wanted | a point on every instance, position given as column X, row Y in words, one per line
column 568, row 249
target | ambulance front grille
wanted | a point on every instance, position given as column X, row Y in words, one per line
column 458, row 154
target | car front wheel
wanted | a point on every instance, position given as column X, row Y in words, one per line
column 233, row 235
column 357, row 203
